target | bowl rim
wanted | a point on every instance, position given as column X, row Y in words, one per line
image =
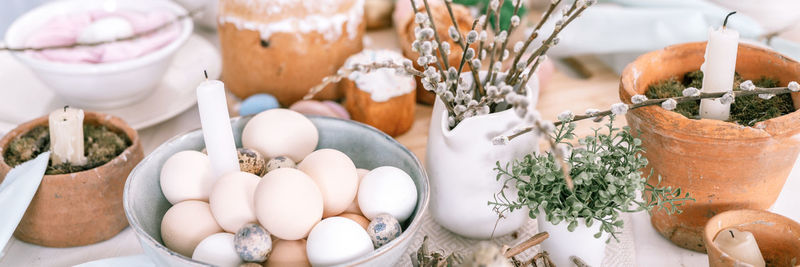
column 411, row 230
column 13, row 31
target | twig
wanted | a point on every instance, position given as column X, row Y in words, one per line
column 532, row 241
column 678, row 99
column 128, row 38
column 345, row 72
column 577, row 261
column 534, row 34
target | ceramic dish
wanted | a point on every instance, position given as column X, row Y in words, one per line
column 103, row 85
column 173, row 95
column 369, row 148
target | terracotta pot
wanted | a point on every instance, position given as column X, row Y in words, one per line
column 80, row 208
column 778, row 237
column 723, row 165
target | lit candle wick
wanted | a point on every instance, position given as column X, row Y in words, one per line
column 725, row 23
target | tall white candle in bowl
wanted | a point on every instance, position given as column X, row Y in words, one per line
column 66, row 136
column 718, row 70
column 216, row 124
column 740, row 245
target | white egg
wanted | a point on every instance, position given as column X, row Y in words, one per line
column 186, row 224
column 281, row 132
column 105, row 29
column 231, row 200
column 218, row 249
column 187, row 176
column 389, row 190
column 337, row 240
column 288, row 203
column 336, row 176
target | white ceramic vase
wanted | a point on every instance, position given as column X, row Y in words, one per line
column 460, row 163
column 581, row 242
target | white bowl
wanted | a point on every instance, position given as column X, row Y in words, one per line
column 103, row 85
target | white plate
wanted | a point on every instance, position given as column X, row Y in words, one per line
column 23, row 97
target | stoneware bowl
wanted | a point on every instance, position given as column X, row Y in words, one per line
column 104, row 85
column 81, row 208
column 725, row 166
column 369, row 148
column 778, row 237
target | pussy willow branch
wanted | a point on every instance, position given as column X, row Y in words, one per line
column 652, row 102
column 435, row 34
column 534, row 34
column 464, row 46
column 493, row 47
column 445, row 60
column 132, row 37
column 511, row 28
column 547, row 43
column 345, row 72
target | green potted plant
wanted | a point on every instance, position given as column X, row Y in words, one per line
column 581, row 210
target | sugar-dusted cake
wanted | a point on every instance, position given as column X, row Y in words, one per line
column 284, row 47
column 403, row 18
column 382, row 98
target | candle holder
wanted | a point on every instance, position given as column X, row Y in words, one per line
column 78, row 208
column 725, row 166
column 778, row 237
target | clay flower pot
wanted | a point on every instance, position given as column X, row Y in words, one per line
column 723, row 165
column 81, row 208
column 778, row 237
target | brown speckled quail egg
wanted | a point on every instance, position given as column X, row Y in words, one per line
column 383, row 229
column 253, row 243
column 280, row 162
column 251, row 161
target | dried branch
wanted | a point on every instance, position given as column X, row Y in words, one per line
column 128, row 38
column 525, row 245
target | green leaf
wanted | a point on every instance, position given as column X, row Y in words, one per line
column 572, row 225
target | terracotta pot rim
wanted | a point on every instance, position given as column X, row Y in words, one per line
column 103, row 119
column 763, row 215
column 762, row 130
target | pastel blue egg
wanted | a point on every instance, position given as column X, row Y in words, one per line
column 257, row 103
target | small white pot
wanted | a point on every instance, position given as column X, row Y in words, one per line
column 461, row 163
column 581, row 243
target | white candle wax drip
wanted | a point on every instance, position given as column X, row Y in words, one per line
column 66, row 136
column 217, row 131
column 718, row 71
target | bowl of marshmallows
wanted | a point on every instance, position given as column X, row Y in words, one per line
column 310, row 191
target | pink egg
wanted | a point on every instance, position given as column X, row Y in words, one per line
column 288, row 203
column 353, row 208
column 336, row 176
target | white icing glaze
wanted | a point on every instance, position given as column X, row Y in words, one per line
column 382, row 84
column 330, row 26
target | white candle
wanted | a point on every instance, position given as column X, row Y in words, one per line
column 740, row 245
column 217, row 131
column 66, row 136
column 718, row 71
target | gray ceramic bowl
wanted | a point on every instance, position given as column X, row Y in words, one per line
column 369, row 148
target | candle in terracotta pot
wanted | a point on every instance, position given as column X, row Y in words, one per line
column 740, row 245
column 216, row 124
column 66, row 136
column 718, row 70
